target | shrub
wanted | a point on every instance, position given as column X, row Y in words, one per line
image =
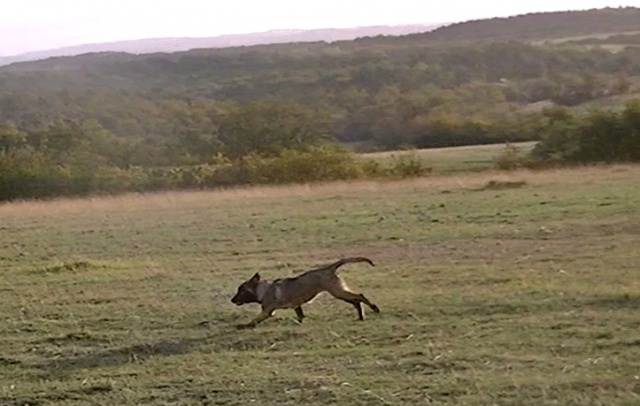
column 33, row 176
column 407, row 166
column 310, row 164
column 599, row 136
column 510, row 158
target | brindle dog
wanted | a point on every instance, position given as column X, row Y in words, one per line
column 292, row 293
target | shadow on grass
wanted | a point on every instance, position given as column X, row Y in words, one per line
column 136, row 353
column 613, row 302
column 219, row 334
column 123, row 355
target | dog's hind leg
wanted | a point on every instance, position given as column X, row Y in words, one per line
column 358, row 307
column 299, row 313
column 366, row 301
column 342, row 293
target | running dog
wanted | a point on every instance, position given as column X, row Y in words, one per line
column 292, row 293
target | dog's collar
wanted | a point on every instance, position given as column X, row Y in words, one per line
column 261, row 290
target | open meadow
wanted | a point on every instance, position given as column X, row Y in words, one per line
column 516, row 288
column 452, row 159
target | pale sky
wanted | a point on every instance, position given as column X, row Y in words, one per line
column 30, row 25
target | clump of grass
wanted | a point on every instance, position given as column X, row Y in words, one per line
column 72, row 266
column 502, row 185
column 408, row 165
column 510, row 158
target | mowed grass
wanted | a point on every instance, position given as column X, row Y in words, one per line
column 452, row 159
column 495, row 289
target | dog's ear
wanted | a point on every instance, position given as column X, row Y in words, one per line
column 255, row 277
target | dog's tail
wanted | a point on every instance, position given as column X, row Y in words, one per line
column 334, row 267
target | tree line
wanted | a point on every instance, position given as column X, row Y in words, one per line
column 112, row 122
column 262, row 143
column 381, row 97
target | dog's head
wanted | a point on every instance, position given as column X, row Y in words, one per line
column 247, row 292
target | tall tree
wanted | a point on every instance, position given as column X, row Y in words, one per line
column 267, row 127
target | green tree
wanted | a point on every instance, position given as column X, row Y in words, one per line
column 630, row 145
column 195, row 130
column 267, row 127
column 622, row 84
column 598, row 136
column 11, row 139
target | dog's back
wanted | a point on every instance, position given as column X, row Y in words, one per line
column 294, row 291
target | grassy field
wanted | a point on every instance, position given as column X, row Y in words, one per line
column 454, row 159
column 495, row 289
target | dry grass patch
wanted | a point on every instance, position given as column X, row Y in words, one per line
column 181, row 199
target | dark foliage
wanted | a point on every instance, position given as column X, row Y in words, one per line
column 599, row 136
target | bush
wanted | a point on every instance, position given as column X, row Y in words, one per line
column 510, row 158
column 28, row 175
column 407, row 166
column 599, row 136
column 32, row 176
column 113, row 180
column 310, row 164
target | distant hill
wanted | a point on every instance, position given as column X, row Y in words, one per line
column 528, row 27
column 153, row 45
column 538, row 26
column 380, row 88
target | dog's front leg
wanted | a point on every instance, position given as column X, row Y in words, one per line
column 265, row 314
